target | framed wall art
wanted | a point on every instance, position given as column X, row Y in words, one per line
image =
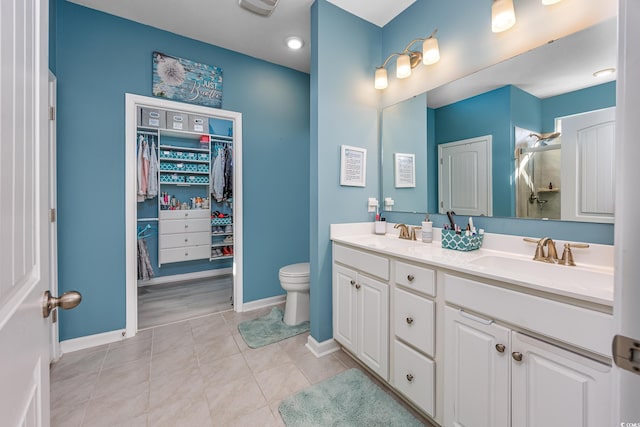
column 187, row 81
column 353, row 166
column 405, row 170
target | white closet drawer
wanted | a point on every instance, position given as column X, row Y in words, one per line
column 184, row 254
column 184, row 239
column 414, row 376
column 184, row 214
column 367, row 263
column 416, row 278
column 185, row 226
column 414, row 320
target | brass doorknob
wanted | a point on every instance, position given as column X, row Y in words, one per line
column 353, row 282
column 357, row 285
column 66, row 301
column 500, row 348
column 410, row 277
column 409, row 377
column 409, row 320
column 517, row 356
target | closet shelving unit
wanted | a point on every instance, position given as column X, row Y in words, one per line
column 184, row 170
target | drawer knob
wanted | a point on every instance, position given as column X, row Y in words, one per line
column 353, row 282
column 517, row 356
column 409, row 320
column 500, row 348
column 357, row 285
column 186, row 226
column 186, row 254
column 409, row 377
column 186, row 214
column 186, row 240
column 410, row 277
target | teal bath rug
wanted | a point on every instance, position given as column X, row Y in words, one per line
column 268, row 329
column 348, row 399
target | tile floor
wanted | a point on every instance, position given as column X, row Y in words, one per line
column 193, row 373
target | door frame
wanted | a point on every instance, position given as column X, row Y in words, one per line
column 131, row 249
column 55, row 351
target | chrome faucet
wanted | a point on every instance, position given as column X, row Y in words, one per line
column 404, row 231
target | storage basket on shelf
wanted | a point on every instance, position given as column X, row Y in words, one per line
column 461, row 242
column 221, row 221
column 171, row 178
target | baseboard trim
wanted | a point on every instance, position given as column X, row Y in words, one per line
column 323, row 348
column 82, row 343
column 262, row 303
column 185, row 277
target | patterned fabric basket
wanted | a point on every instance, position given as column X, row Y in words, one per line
column 203, row 157
column 166, row 154
column 167, row 166
column 203, row 168
column 191, row 167
column 461, row 242
column 171, row 178
column 221, row 221
column 195, row 179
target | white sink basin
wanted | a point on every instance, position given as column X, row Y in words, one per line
column 574, row 279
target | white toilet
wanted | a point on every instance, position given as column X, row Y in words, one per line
column 294, row 279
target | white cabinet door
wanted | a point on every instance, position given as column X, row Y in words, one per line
column 373, row 324
column 344, row 307
column 554, row 387
column 476, row 371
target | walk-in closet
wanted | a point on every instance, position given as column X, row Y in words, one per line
column 187, row 211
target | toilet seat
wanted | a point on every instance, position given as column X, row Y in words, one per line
column 295, row 273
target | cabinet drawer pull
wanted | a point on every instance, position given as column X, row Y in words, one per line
column 357, row 285
column 409, row 320
column 186, row 240
column 186, row 226
column 409, row 377
column 410, row 277
column 500, row 348
column 517, row 356
column 353, row 282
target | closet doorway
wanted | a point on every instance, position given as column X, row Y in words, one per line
column 183, row 213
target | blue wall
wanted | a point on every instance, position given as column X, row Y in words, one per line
column 579, row 101
column 98, row 58
column 345, row 52
column 486, row 114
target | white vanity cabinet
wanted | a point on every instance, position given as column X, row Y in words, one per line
column 497, row 376
column 414, row 334
column 361, row 306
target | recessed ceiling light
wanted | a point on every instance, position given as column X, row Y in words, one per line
column 294, row 42
column 605, row 72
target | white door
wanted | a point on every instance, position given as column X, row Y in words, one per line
column 464, row 176
column 588, row 142
column 627, row 229
column 373, row 324
column 345, row 307
column 552, row 387
column 476, row 377
column 24, row 221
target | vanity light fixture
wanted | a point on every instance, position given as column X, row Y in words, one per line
column 409, row 59
column 503, row 15
column 294, row 42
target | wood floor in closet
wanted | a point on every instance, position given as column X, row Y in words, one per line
column 173, row 302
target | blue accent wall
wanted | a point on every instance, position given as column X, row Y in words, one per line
column 579, row 101
column 486, row 114
column 345, row 53
column 98, row 58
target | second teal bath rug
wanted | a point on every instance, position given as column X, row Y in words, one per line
column 268, row 329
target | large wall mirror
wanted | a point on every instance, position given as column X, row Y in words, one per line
column 530, row 137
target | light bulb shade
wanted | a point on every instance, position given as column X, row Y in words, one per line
column 430, row 51
column 403, row 66
column 550, row 2
column 380, row 81
column 503, row 16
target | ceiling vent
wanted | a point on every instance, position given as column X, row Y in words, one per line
column 259, row 7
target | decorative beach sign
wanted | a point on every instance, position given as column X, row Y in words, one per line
column 187, row 81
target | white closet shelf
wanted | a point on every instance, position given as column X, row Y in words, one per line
column 183, row 184
column 178, row 148
column 183, row 172
column 213, row 258
column 164, row 159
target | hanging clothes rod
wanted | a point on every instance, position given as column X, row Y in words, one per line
column 144, row 132
column 147, row 219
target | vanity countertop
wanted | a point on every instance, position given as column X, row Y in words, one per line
column 585, row 282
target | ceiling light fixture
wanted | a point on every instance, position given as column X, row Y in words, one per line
column 409, row 59
column 605, row 72
column 503, row 16
column 259, row 7
column 294, row 42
